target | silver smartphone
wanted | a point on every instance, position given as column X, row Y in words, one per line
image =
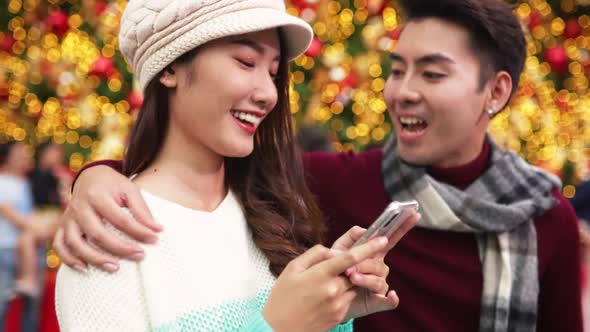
column 389, row 221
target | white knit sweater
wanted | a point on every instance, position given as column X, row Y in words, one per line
column 203, row 274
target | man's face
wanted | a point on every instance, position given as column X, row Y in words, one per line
column 434, row 96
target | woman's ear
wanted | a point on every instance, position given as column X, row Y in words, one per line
column 168, row 78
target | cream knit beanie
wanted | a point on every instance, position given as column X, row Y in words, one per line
column 156, row 32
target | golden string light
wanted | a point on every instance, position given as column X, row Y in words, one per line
column 62, row 77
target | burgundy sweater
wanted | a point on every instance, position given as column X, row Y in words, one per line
column 437, row 274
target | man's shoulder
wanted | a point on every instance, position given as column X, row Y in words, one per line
column 325, row 163
column 344, row 180
column 563, row 209
column 560, row 221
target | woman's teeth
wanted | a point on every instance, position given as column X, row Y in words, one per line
column 247, row 117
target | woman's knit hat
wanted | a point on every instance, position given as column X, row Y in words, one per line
column 156, row 32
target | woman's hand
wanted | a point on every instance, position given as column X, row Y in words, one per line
column 312, row 293
column 370, row 275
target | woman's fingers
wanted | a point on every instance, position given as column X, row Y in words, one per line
column 340, row 263
column 371, row 274
column 375, row 284
column 374, row 266
column 310, row 258
column 378, row 303
column 347, row 239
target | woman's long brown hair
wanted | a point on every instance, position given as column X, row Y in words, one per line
column 280, row 210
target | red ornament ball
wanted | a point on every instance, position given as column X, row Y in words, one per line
column 315, row 49
column 57, row 21
column 395, row 34
column 99, row 7
column 376, row 7
column 349, row 81
column 557, row 58
column 302, row 4
column 6, row 42
column 103, row 67
column 572, row 28
column 535, row 19
column 135, row 100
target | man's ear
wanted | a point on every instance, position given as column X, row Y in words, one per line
column 500, row 92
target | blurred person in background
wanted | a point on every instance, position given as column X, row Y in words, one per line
column 17, row 226
column 47, row 181
column 314, row 138
column 46, row 176
column 581, row 202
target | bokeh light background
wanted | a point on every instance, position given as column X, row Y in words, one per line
column 63, row 78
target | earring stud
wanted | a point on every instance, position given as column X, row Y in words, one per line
column 491, row 112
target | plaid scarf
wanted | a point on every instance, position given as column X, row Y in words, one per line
column 499, row 208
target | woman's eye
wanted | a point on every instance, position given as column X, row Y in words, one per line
column 246, row 63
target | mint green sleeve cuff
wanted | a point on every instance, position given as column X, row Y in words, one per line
column 346, row 327
column 257, row 323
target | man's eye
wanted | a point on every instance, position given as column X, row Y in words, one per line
column 433, row 75
column 396, row 73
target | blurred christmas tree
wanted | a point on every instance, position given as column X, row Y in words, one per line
column 62, row 77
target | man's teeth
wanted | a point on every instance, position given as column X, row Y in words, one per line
column 411, row 121
column 253, row 119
